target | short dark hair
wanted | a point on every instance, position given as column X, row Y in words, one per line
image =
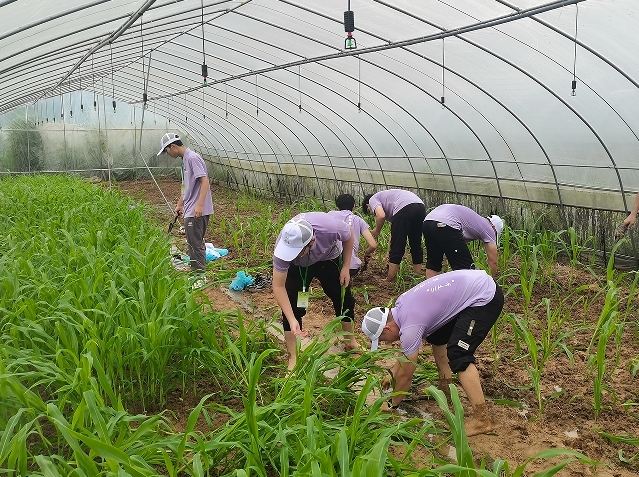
column 177, row 142
column 367, row 197
column 345, row 202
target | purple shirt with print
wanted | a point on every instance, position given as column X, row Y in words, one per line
column 392, row 201
column 358, row 225
column 194, row 168
column 434, row 302
column 329, row 234
column 471, row 224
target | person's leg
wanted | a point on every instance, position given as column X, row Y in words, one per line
column 456, row 249
column 397, row 246
column 195, row 230
column 328, row 275
column 293, row 287
column 417, row 213
column 439, row 341
column 472, row 327
column 431, row 230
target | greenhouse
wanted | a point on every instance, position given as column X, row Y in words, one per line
column 114, row 360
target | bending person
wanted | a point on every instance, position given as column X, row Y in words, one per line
column 310, row 246
column 346, row 205
column 405, row 211
column 454, row 312
column 447, row 230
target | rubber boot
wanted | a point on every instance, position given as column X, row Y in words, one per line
column 480, row 423
column 442, row 385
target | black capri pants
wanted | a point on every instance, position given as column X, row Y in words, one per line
column 407, row 223
column 466, row 331
column 327, row 272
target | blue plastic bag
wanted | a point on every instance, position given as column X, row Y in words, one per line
column 240, row 281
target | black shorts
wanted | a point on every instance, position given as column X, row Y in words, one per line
column 442, row 239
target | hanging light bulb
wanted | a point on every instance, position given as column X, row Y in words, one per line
column 205, row 73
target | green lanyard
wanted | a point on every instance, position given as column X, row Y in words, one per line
column 303, row 277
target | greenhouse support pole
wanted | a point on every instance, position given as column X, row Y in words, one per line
column 106, row 135
column 26, row 125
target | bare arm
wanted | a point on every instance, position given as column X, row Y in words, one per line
column 204, row 188
column 279, row 290
column 632, row 217
column 345, row 274
column 380, row 218
column 403, row 373
column 491, row 253
column 372, row 244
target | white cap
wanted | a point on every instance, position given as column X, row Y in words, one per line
column 497, row 223
column 373, row 324
column 296, row 235
column 167, row 139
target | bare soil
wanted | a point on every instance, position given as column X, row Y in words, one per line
column 567, row 421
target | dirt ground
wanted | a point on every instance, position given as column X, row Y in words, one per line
column 568, row 420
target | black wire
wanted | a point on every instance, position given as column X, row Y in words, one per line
column 203, row 54
column 112, row 82
column 142, row 40
column 574, row 65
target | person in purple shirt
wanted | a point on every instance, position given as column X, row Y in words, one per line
column 454, row 312
column 405, row 211
column 195, row 203
column 310, row 246
column 346, row 205
column 447, row 229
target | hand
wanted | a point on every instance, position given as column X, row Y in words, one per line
column 197, row 212
column 621, row 230
column 375, row 232
column 178, row 210
column 345, row 277
column 387, row 382
column 296, row 330
column 629, row 221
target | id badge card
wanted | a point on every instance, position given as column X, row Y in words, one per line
column 302, row 299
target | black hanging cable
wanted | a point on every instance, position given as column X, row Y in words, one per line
column 443, row 71
column 46, row 109
column 359, row 84
column 81, row 95
column 205, row 69
column 145, row 97
column 70, row 99
column 574, row 64
column 95, row 100
column 257, row 98
column 226, row 100
column 112, row 81
column 299, row 84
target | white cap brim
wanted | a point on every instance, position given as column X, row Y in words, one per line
column 284, row 252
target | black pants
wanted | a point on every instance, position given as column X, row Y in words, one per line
column 327, row 272
column 468, row 330
column 407, row 223
column 195, row 229
column 442, row 239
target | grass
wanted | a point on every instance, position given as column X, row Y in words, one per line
column 98, row 334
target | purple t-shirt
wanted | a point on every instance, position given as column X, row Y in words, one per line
column 358, row 225
column 194, row 167
column 434, row 302
column 329, row 234
column 392, row 201
column 471, row 224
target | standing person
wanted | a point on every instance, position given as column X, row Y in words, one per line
column 405, row 211
column 447, row 229
column 346, row 205
column 632, row 216
column 454, row 312
column 310, row 246
column 195, row 204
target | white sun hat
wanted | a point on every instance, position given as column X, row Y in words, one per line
column 497, row 223
column 373, row 324
column 168, row 138
column 296, row 235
